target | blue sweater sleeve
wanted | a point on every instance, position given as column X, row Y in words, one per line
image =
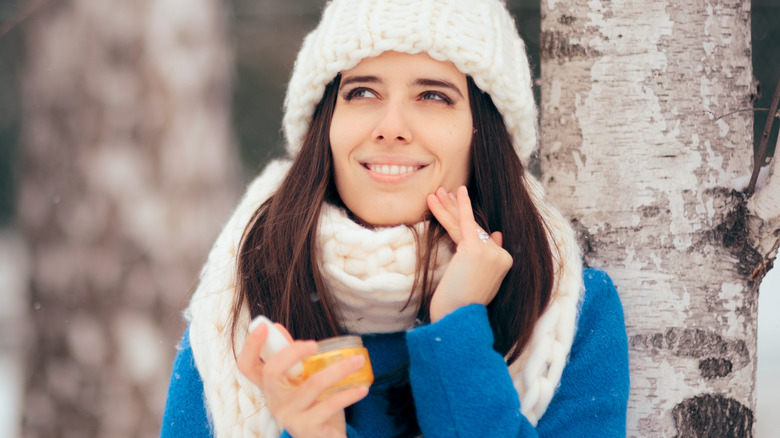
column 350, row 433
column 462, row 386
column 185, row 409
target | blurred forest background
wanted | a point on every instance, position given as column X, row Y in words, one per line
column 127, row 131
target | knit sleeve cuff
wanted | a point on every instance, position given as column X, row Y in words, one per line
column 468, row 325
column 351, row 433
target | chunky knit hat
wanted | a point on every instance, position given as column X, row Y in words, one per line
column 478, row 36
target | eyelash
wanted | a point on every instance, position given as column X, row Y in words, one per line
column 352, row 94
column 444, row 98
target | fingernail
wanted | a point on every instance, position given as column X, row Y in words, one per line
column 357, row 360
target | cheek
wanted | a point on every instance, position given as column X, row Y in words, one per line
column 341, row 174
column 345, row 133
column 459, row 157
column 335, row 135
column 341, row 140
column 463, row 167
column 339, row 145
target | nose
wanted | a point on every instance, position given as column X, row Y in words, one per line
column 393, row 126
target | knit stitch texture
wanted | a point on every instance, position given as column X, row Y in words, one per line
column 479, row 37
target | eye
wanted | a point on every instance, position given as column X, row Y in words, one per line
column 359, row 93
column 436, row 96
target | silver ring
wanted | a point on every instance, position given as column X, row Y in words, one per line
column 483, row 236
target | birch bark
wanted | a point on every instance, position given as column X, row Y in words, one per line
column 128, row 170
column 634, row 150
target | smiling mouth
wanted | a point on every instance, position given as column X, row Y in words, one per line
column 392, row 169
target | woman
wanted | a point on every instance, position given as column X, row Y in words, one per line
column 407, row 122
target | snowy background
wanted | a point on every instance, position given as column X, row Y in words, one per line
column 253, row 26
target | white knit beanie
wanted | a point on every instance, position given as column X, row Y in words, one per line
column 478, row 36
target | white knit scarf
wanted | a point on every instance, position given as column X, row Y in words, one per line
column 369, row 272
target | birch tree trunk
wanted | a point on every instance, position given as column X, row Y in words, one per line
column 128, row 170
column 641, row 148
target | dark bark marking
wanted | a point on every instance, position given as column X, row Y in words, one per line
column 649, row 211
column 712, row 367
column 712, row 415
column 556, row 45
column 734, row 235
column 702, row 344
column 584, row 238
column 567, row 19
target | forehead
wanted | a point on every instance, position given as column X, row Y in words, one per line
column 391, row 64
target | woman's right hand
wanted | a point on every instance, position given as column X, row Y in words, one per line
column 294, row 405
column 476, row 270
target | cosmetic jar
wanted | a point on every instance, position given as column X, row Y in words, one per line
column 332, row 350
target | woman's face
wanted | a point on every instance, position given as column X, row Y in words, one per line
column 401, row 129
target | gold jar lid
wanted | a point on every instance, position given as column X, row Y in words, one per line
column 337, row 342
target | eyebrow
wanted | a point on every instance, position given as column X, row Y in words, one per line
column 353, row 79
column 421, row 82
column 438, row 83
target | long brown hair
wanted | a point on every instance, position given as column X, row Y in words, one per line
column 278, row 269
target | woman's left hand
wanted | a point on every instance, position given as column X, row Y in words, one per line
column 478, row 267
column 297, row 405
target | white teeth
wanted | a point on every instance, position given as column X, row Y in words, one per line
column 386, row 169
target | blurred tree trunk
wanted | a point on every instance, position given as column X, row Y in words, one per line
column 128, row 171
column 642, row 147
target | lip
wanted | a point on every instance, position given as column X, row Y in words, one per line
column 392, row 170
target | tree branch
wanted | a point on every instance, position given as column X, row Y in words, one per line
column 766, row 202
column 739, row 111
column 764, row 139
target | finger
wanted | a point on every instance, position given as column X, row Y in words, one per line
column 452, row 197
column 249, row 362
column 498, row 238
column 320, row 381
column 336, row 402
column 284, row 331
column 277, row 367
column 445, row 210
column 468, row 226
column 257, row 337
column 449, row 201
column 445, row 218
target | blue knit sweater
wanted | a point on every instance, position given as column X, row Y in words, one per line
column 461, row 386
